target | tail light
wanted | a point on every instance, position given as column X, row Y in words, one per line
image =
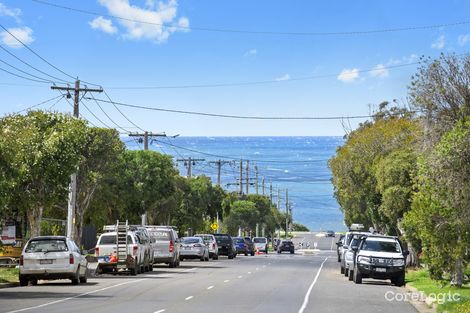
column 71, row 259
column 171, row 246
column 198, row 245
column 213, row 246
column 134, row 250
column 21, row 260
column 97, row 251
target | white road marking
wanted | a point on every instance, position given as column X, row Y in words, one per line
column 189, row 298
column 240, row 276
column 189, row 269
column 307, row 295
column 332, row 241
column 160, row 311
column 249, row 272
column 210, row 287
column 77, row 296
column 226, row 281
column 257, row 268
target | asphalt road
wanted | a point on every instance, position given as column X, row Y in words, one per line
column 263, row 283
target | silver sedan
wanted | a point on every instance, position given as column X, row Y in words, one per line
column 194, row 248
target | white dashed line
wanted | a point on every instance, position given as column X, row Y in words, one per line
column 160, row 311
column 249, row 273
column 226, row 281
column 240, row 276
column 189, row 298
column 257, row 268
column 210, row 287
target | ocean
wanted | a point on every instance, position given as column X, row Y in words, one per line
column 298, row 164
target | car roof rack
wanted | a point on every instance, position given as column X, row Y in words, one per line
column 356, row 227
column 161, row 226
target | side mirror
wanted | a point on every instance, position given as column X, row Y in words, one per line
column 339, row 243
column 354, row 248
column 406, row 253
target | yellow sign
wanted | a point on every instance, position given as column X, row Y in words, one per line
column 214, row 226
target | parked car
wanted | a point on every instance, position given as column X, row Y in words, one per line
column 286, row 245
column 251, row 246
column 276, row 242
column 52, row 257
column 350, row 254
column 226, row 245
column 380, row 257
column 339, row 244
column 261, row 244
column 211, row 243
column 241, row 245
column 166, row 245
column 345, row 246
column 330, row 233
column 194, row 248
column 106, row 251
column 145, row 240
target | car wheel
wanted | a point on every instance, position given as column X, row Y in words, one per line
column 202, row 258
column 346, row 272
column 23, row 281
column 399, row 281
column 341, row 269
column 215, row 257
column 34, row 282
column 76, row 280
column 339, row 258
column 350, row 276
column 292, row 252
column 83, row 279
column 172, row 264
column 357, row 277
column 230, row 256
column 246, row 253
column 134, row 271
column 252, row 253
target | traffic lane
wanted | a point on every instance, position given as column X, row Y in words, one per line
column 277, row 286
column 335, row 293
column 315, row 240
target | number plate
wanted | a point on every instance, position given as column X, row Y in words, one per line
column 45, row 261
column 380, row 269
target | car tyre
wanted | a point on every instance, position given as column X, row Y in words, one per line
column 172, row 264
column 83, row 279
column 346, row 272
column 357, row 276
column 215, row 257
column 230, row 256
column 23, row 281
column 399, row 281
column 76, row 280
column 134, row 271
column 341, row 269
column 350, row 275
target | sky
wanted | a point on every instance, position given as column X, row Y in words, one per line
column 185, row 44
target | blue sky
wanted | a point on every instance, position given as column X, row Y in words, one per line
column 114, row 53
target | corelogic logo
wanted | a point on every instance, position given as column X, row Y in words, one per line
column 439, row 298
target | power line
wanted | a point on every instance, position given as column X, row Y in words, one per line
column 117, row 108
column 38, row 104
column 107, row 115
column 245, row 117
column 261, row 32
column 24, row 72
column 24, row 77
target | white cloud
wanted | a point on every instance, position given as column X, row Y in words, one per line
column 464, row 39
column 403, row 60
column 283, row 77
column 25, row 34
column 349, row 75
column 439, row 43
column 103, row 24
column 161, row 20
column 251, row 52
column 379, row 71
column 5, row 11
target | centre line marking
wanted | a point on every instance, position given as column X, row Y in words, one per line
column 249, row 272
column 77, row 296
column 210, row 287
column 189, row 298
column 307, row 295
column 160, row 311
column 240, row 276
column 226, row 281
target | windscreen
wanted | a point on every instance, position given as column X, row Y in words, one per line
column 381, row 246
column 222, row 239
column 191, row 240
column 111, row 240
column 259, row 240
column 46, row 245
column 239, row 240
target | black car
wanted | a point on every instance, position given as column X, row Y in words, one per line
column 285, row 245
column 330, row 233
column 251, row 245
column 226, row 246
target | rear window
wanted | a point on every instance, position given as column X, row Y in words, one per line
column 46, row 245
column 191, row 240
column 206, row 239
column 239, row 240
column 111, row 240
column 259, row 240
column 222, row 238
column 381, row 246
column 161, row 235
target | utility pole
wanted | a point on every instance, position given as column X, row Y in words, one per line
column 247, row 176
column 278, row 199
column 271, row 191
column 257, row 181
column 241, row 176
column 219, row 164
column 263, row 186
column 145, row 135
column 287, row 211
column 189, row 162
column 73, row 178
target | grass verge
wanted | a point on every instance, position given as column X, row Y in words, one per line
column 442, row 291
column 8, row 275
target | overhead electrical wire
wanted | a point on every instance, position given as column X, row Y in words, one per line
column 262, row 32
column 38, row 104
column 21, row 76
column 125, row 116
column 245, row 117
column 40, row 79
column 107, row 115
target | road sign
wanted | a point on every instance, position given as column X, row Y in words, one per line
column 214, row 226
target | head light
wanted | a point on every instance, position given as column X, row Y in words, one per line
column 363, row 259
column 398, row 262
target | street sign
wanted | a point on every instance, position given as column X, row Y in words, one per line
column 214, row 226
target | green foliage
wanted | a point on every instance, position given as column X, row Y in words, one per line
column 243, row 214
column 299, row 227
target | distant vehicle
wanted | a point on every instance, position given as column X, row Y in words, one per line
column 243, row 246
column 339, row 244
column 345, row 246
column 166, row 245
column 261, row 244
column 380, row 257
column 52, row 257
column 211, row 243
column 330, row 233
column 250, row 245
column 194, row 248
column 276, row 242
column 286, row 245
column 226, row 245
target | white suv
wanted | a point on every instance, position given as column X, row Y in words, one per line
column 211, row 243
column 52, row 257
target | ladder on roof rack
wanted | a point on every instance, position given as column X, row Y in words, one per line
column 122, row 244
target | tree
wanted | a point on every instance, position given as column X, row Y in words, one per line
column 243, row 214
column 45, row 151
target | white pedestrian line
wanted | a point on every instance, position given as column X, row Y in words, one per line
column 210, row 287
column 189, row 298
column 307, row 295
column 226, row 281
column 160, row 311
column 77, row 296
